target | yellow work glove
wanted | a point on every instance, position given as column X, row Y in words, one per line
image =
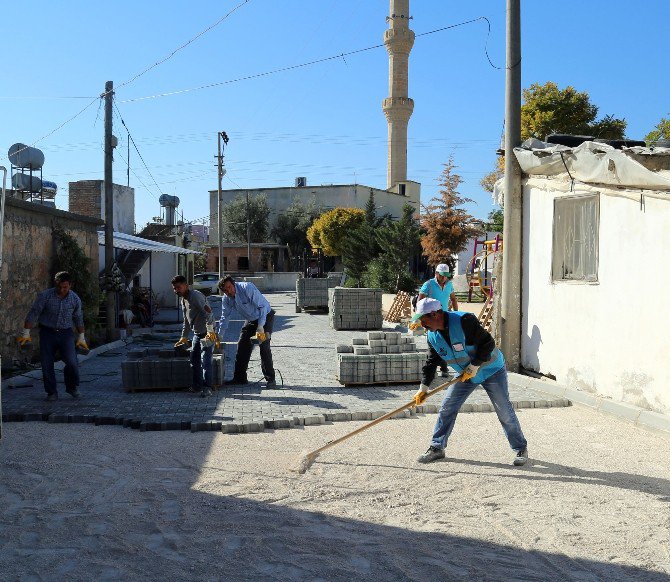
column 469, row 372
column 182, row 342
column 414, row 325
column 212, row 336
column 24, row 340
column 421, row 394
column 260, row 334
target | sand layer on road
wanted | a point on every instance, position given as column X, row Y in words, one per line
column 83, row 502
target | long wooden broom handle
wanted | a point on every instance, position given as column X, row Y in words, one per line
column 382, row 418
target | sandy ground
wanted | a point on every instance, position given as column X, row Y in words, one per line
column 107, row 503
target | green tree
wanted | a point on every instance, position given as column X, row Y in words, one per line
column 548, row 109
column 447, row 227
column 361, row 245
column 495, row 221
column 399, row 241
column 235, row 219
column 330, row 231
column 292, row 225
column 661, row 131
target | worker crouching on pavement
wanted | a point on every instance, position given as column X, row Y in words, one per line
column 249, row 303
column 56, row 310
column 459, row 339
column 199, row 319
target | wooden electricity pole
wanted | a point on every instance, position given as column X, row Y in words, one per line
column 109, row 209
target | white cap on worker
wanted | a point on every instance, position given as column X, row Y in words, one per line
column 442, row 269
column 424, row 306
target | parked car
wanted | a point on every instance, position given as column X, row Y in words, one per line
column 206, row 283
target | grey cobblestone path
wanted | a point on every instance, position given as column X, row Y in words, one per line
column 303, row 347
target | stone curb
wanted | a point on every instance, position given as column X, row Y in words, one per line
column 646, row 419
column 260, row 425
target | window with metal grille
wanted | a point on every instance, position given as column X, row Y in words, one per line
column 575, row 244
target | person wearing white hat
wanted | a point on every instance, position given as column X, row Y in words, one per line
column 459, row 339
column 442, row 289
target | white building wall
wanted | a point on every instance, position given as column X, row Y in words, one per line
column 607, row 338
column 327, row 197
column 163, row 268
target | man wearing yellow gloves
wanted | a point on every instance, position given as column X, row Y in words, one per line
column 56, row 310
column 249, row 302
column 458, row 339
column 199, row 319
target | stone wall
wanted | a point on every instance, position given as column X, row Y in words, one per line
column 28, row 257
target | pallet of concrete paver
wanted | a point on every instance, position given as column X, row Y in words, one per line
column 355, row 308
column 311, row 293
column 165, row 373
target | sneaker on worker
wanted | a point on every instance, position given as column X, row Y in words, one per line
column 432, row 454
column 52, row 397
column 271, row 384
column 521, row 458
column 74, row 392
column 205, row 393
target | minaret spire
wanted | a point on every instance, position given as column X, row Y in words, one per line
column 398, row 107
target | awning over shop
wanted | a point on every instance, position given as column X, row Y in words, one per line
column 136, row 243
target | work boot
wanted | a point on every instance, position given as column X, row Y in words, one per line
column 205, row 393
column 52, row 397
column 235, row 381
column 74, row 392
column 521, row 458
column 432, row 454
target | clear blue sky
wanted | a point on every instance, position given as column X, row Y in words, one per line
column 323, row 122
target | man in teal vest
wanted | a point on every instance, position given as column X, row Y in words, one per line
column 442, row 289
column 458, row 339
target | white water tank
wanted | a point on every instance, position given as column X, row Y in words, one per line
column 22, row 156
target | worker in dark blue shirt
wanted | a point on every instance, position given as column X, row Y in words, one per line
column 57, row 311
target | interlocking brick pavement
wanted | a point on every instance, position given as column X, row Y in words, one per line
column 303, row 347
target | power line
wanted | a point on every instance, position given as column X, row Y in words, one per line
column 292, row 67
column 183, row 46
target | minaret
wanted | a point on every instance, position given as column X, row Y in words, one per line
column 398, row 106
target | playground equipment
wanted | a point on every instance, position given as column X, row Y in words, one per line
column 478, row 274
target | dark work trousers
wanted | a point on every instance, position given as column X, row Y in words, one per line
column 61, row 340
column 244, row 348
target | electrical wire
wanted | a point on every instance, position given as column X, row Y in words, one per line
column 183, row 46
column 302, row 65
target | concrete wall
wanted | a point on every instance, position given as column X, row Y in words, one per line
column 327, row 197
column 87, row 198
column 27, row 266
column 609, row 337
column 164, row 266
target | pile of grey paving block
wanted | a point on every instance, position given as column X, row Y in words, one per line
column 381, row 357
column 355, row 308
column 313, row 292
column 153, row 369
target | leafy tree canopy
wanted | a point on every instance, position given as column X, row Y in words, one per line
column 447, row 227
column 292, row 225
column 330, row 231
column 661, row 131
column 235, row 219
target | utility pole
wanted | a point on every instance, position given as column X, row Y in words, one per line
column 109, row 209
column 248, row 234
column 512, row 230
column 222, row 137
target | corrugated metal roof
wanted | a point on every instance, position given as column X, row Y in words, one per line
column 136, row 243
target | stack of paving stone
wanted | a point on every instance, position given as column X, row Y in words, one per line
column 313, row 292
column 163, row 369
column 355, row 308
column 380, row 358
